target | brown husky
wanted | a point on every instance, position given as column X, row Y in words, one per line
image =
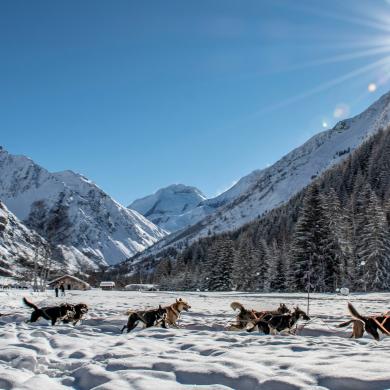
column 370, row 324
column 173, row 312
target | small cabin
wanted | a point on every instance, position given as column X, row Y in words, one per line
column 70, row 283
column 108, row 285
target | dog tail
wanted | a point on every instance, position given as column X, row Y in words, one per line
column 237, row 305
column 344, row 324
column 354, row 312
column 30, row 304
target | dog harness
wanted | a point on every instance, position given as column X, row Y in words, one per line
column 381, row 324
column 177, row 312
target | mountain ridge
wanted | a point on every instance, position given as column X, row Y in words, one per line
column 168, row 206
column 84, row 224
column 262, row 190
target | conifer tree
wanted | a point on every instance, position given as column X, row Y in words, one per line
column 375, row 249
column 278, row 276
column 308, row 244
column 243, row 266
column 220, row 265
column 260, row 265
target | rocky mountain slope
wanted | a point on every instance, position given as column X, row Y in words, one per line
column 18, row 244
column 263, row 190
column 85, row 226
column 170, row 207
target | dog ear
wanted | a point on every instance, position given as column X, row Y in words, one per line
column 159, row 306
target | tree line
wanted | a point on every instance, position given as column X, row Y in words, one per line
column 334, row 233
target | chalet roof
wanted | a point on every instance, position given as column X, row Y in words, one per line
column 70, row 277
column 107, row 284
column 146, row 285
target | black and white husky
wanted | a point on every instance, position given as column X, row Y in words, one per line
column 147, row 317
column 274, row 323
column 51, row 313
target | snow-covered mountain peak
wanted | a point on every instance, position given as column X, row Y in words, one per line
column 168, row 206
column 85, row 224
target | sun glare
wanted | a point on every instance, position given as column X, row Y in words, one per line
column 370, row 50
column 372, row 87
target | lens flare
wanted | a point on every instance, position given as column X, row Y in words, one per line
column 341, row 111
column 371, row 87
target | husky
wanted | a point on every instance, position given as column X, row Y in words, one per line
column 52, row 313
column 147, row 317
column 243, row 318
column 173, row 312
column 369, row 324
column 274, row 323
column 76, row 314
column 248, row 319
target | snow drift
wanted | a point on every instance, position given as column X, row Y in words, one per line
column 95, row 355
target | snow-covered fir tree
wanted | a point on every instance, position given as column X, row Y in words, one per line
column 309, row 242
column 243, row 267
column 220, row 266
column 375, row 248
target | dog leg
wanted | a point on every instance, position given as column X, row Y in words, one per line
column 164, row 324
column 273, row 331
column 251, row 327
column 130, row 327
column 173, row 325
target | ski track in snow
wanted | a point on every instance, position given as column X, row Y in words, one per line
column 95, row 355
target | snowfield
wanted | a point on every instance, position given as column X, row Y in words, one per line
column 95, row 355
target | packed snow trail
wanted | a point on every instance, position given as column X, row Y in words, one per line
column 95, row 355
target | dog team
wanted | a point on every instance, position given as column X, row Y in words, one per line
column 275, row 321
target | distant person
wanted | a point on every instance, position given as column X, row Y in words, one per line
column 56, row 290
column 62, row 288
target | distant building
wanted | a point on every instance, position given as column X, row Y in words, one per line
column 70, row 283
column 107, row 285
column 142, row 287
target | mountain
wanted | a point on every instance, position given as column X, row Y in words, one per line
column 85, row 226
column 336, row 230
column 263, row 190
column 170, row 207
column 18, row 244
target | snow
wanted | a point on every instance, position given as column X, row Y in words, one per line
column 201, row 354
column 169, row 207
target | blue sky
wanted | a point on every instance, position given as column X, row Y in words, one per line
column 137, row 95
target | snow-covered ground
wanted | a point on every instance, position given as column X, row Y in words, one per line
column 199, row 355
